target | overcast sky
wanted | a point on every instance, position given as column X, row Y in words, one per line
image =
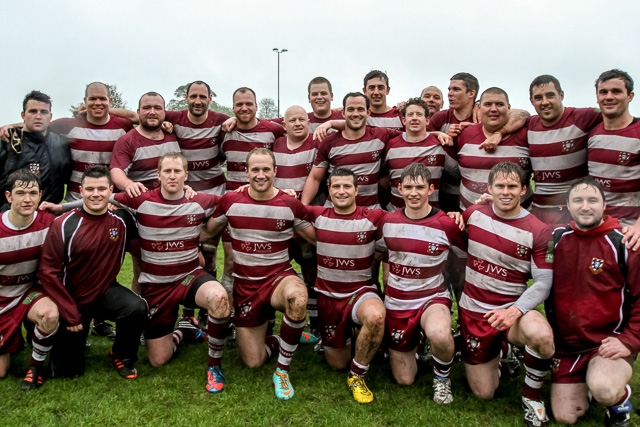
column 60, row 46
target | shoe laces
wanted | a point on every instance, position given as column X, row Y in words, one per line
column 284, row 380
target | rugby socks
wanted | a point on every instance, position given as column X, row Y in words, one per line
column 312, row 308
column 623, row 405
column 358, row 370
column 217, row 332
column 271, row 344
column 290, row 332
column 176, row 339
column 536, row 368
column 41, row 346
column 441, row 369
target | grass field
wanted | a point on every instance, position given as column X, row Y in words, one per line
column 174, row 395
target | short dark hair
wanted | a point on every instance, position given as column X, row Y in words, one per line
column 543, row 80
column 23, row 176
column 198, row 82
column 355, row 95
column 97, row 171
column 616, row 74
column 243, row 90
column 470, row 82
column 376, row 74
column 589, row 182
column 261, row 151
column 318, row 81
column 414, row 171
column 415, row 101
column 495, row 91
column 506, row 169
column 106, row 86
column 343, row 172
column 150, row 94
column 36, row 95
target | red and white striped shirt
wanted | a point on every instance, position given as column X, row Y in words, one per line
column 138, row 156
column 418, row 250
column 559, row 153
column 239, row 142
column 614, row 161
column 346, row 244
column 200, row 145
column 89, row 145
column 169, row 233
column 294, row 165
column 390, row 120
column 20, row 251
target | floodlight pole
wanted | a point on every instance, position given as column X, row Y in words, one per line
column 279, row 51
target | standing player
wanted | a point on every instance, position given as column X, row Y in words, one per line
column 594, row 311
column 376, row 88
column 261, row 222
column 22, row 233
column 432, row 96
column 418, row 238
column 612, row 152
column 416, row 145
column 557, row 139
column 476, row 163
column 81, row 258
column 320, row 95
column 347, row 294
column 507, row 247
column 169, row 226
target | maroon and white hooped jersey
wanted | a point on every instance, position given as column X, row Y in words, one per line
column 260, row 231
column 89, row 145
column 200, row 145
column 314, row 122
column 418, row 250
column 346, row 244
column 400, row 153
column 559, row 153
column 614, row 161
column 169, row 233
column 503, row 254
column 138, row 156
column 294, row 165
column 390, row 120
column 363, row 156
column 239, row 142
column 442, row 121
column 20, row 251
column 475, row 164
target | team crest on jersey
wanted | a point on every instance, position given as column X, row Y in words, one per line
column 361, row 236
column 623, row 157
column 246, row 246
column 567, row 146
column 555, row 365
column 596, row 266
column 245, row 309
column 432, row 248
column 309, row 166
column 34, row 168
column 281, row 223
column 152, row 312
column 191, row 219
column 473, row 344
column 113, row 234
column 524, row 162
column 328, row 261
column 397, row 335
column 522, row 251
column 431, row 160
column 375, row 155
column 330, row 332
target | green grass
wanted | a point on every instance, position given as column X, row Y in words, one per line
column 174, row 395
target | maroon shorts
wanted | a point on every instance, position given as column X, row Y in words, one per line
column 482, row 343
column 164, row 302
column 252, row 302
column 11, row 322
column 572, row 368
column 338, row 316
column 554, row 217
column 402, row 327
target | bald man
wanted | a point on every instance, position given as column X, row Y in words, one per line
column 433, row 97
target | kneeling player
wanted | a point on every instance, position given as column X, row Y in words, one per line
column 594, row 311
column 507, row 247
column 347, row 295
column 418, row 238
column 261, row 222
column 22, row 233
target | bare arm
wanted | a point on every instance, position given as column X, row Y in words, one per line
column 120, row 180
column 308, row 234
column 517, row 120
column 211, row 229
column 312, row 184
column 127, row 114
